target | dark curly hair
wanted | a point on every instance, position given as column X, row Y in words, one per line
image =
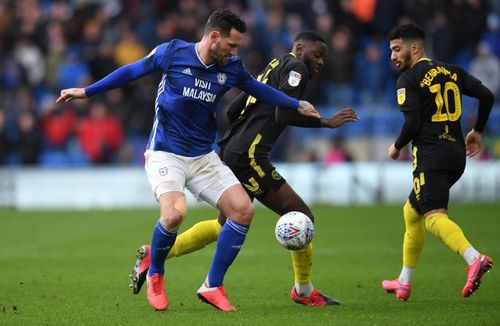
column 309, row 36
column 407, row 32
column 223, row 20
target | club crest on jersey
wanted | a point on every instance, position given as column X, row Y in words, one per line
column 275, row 175
column 221, row 78
column 294, row 78
column 401, row 95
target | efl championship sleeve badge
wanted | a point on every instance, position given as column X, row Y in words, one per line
column 401, row 96
column 294, row 78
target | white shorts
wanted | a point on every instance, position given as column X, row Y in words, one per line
column 205, row 176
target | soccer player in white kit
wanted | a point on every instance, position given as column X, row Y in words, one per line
column 179, row 153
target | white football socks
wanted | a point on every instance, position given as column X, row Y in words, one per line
column 304, row 290
column 406, row 275
column 470, row 255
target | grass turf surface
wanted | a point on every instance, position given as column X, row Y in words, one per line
column 72, row 268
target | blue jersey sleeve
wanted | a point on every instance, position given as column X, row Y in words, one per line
column 159, row 58
column 154, row 61
column 265, row 93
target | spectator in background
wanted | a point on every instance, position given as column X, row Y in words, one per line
column 468, row 20
column 29, row 22
column 324, row 24
column 55, row 53
column 486, row 67
column 58, row 125
column 371, row 73
column 100, row 134
column 492, row 34
column 343, row 15
column 24, row 101
column 188, row 29
column 337, row 153
column 73, row 71
column 272, row 37
column 307, row 156
column 340, row 68
column 122, row 107
column 386, row 15
column 167, row 27
column 31, row 59
column 103, row 63
column 249, row 50
column 442, row 38
column 28, row 141
column 364, row 11
column 129, row 48
column 10, row 82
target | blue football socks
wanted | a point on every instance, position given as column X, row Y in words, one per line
column 162, row 242
column 230, row 240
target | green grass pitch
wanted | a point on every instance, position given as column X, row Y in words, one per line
column 61, row 268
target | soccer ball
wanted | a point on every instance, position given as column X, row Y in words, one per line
column 294, row 230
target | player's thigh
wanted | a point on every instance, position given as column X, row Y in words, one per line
column 284, row 200
column 166, row 172
column 431, row 190
column 210, row 178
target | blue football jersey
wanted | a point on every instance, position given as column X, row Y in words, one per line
column 187, row 97
column 188, row 94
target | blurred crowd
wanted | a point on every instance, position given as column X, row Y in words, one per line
column 47, row 45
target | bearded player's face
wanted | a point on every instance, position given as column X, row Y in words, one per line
column 314, row 56
column 225, row 46
column 401, row 53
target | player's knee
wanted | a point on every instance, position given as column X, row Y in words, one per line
column 172, row 220
column 243, row 213
column 410, row 214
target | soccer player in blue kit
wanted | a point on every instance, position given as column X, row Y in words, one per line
column 179, row 153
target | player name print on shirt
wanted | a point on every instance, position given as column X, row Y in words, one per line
column 294, row 78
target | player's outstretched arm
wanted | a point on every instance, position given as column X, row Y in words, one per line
column 273, row 97
column 117, row 78
column 294, row 118
column 339, row 118
column 71, row 94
